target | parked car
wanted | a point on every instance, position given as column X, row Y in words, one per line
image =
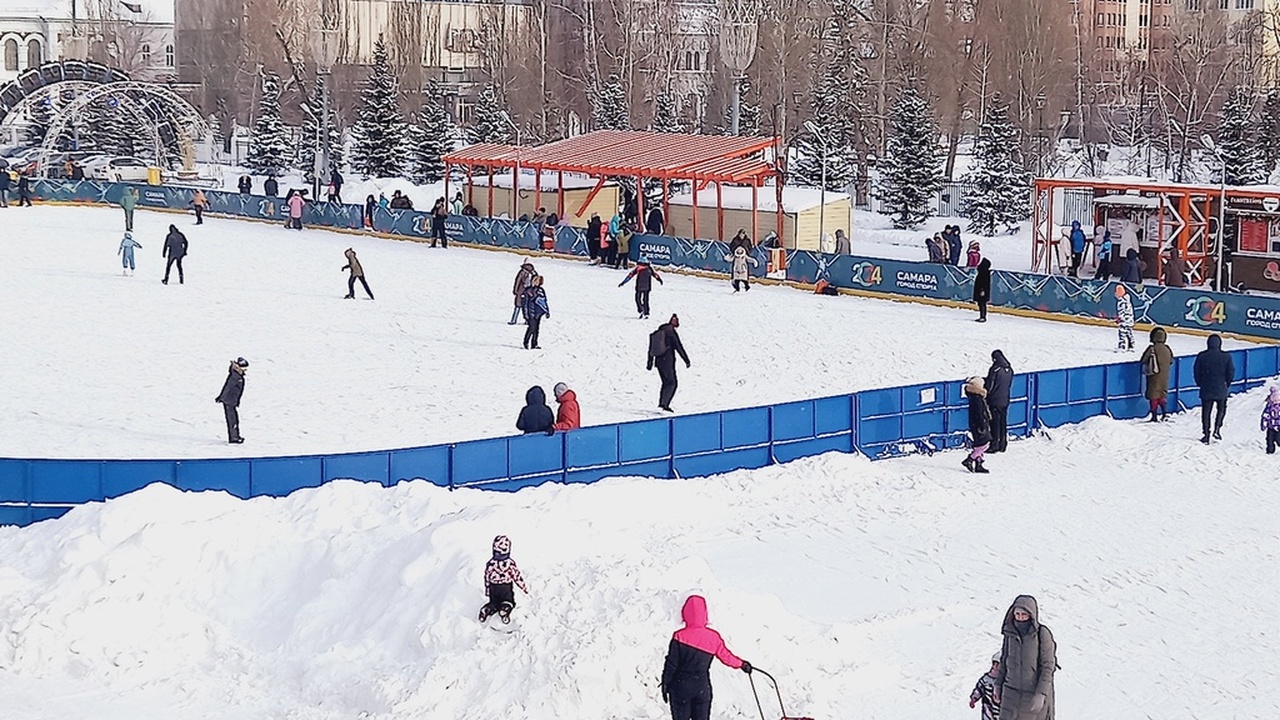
column 120, row 169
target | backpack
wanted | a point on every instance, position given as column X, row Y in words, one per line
column 658, row 343
column 1152, row 366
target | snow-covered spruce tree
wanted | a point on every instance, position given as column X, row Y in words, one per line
column 609, row 109
column 309, row 138
column 832, row 109
column 911, row 173
column 1270, row 130
column 666, row 117
column 1242, row 153
column 379, row 130
column 488, row 119
column 432, row 137
column 269, row 151
column 1002, row 196
column 39, row 118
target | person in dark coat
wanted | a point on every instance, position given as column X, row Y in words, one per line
column 536, row 416
column 245, row 184
column 1028, row 660
column 1133, row 267
column 644, row 275
column 357, row 273
column 999, row 385
column 655, row 223
column 1105, row 248
column 954, row 246
column 979, row 424
column 1214, row 371
column 270, row 187
column 535, row 307
column 593, row 238
column 1175, row 269
column 232, row 390
column 439, row 213
column 335, row 186
column 1157, row 363
column 24, row 190
column 686, row 672
column 982, row 288
column 175, row 248
column 664, row 344
column 524, row 278
column 370, row 205
column 4, row 187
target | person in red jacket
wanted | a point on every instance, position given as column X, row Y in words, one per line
column 568, row 417
column 686, row 674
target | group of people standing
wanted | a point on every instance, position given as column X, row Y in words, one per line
column 7, row 184
column 1113, row 260
column 946, row 248
column 988, row 400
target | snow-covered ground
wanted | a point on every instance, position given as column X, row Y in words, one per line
column 872, row 590
column 110, row 366
column 873, row 235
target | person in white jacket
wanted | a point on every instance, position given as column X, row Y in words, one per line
column 741, row 274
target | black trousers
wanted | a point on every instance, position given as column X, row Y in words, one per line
column 170, row 264
column 999, row 429
column 437, row 233
column 1206, row 409
column 499, row 594
column 351, row 286
column 642, row 302
column 531, row 332
column 1075, row 263
column 1273, row 441
column 199, row 215
column 24, row 199
column 233, row 421
column 982, row 309
column 667, row 371
column 693, row 707
column 128, row 220
column 746, row 285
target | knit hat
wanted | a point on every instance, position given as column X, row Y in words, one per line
column 559, row 390
column 501, row 545
column 1120, row 291
column 995, row 658
column 675, row 321
column 975, row 386
column 241, row 362
column 1274, row 397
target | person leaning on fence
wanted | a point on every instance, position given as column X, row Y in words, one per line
column 982, row 288
column 999, row 387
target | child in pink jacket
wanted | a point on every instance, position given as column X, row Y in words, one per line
column 500, row 576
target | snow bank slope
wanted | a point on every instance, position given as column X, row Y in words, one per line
column 873, row 590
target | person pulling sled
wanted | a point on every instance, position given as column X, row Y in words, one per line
column 686, row 673
column 501, row 577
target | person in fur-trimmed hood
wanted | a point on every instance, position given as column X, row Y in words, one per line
column 741, row 274
column 1028, row 660
column 1271, row 420
column 979, row 424
column 501, row 577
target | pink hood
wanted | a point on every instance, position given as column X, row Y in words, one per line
column 696, row 634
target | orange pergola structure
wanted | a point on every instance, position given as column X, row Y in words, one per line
column 700, row 160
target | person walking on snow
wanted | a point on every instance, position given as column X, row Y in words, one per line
column 644, row 275
column 1271, row 420
column 1077, row 247
column 126, row 253
column 175, row 248
column 1124, row 320
column 1214, row 371
column 985, row 691
column 664, row 344
column 741, row 274
column 1157, row 362
column 1028, row 660
column 982, row 288
column 535, row 417
column 686, row 672
column 524, row 278
column 295, row 203
column 501, row 577
column 535, row 307
column 199, row 203
column 232, row 390
column 568, row 416
column 357, row 273
column 24, row 190
column 998, row 385
column 979, row 424
column 129, row 201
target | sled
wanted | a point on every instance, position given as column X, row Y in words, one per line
column 776, row 691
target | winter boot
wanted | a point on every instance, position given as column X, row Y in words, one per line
column 1154, row 418
column 1217, row 433
column 979, row 468
column 968, row 464
column 485, row 612
column 1205, row 439
column 504, row 612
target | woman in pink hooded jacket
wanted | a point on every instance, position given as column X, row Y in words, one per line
column 686, row 675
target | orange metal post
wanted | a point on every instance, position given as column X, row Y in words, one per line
column 778, row 209
column 537, row 191
column 515, row 194
column 447, row 169
column 471, row 188
column 755, row 204
column 490, row 170
column 720, row 211
column 695, row 210
column 560, row 193
column 640, row 200
column 666, row 206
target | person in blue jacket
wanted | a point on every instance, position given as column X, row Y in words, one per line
column 954, row 245
column 126, row 253
column 533, row 302
column 1077, row 247
column 1104, row 257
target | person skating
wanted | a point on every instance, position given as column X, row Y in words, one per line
column 357, row 273
column 199, row 203
column 982, row 288
column 686, row 672
column 126, row 253
column 1124, row 320
column 524, row 278
column 999, row 385
column 536, row 416
column 568, row 415
column 1157, row 362
column 535, row 307
column 232, row 390
column 664, row 344
column 644, row 275
column 1270, row 423
column 128, row 201
column 979, row 424
column 1028, row 660
column 295, row 203
column 501, row 577
column 985, row 691
column 740, row 272
column 1214, row 371
column 175, row 248
column 24, row 190
column 439, row 213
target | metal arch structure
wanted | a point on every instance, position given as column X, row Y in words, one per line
column 52, row 73
column 15, row 113
column 161, row 108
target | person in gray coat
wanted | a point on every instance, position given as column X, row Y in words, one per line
column 1028, row 660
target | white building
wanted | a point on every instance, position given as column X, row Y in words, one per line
column 139, row 43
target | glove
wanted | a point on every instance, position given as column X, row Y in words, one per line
column 622, row 283
column 688, row 364
column 1037, row 702
column 548, row 316
column 649, row 367
column 550, row 431
column 746, row 667
column 666, row 696
column 973, row 704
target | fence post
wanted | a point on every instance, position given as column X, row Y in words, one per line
column 449, row 466
column 671, row 447
column 564, row 458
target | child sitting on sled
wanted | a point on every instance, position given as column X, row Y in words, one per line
column 500, row 576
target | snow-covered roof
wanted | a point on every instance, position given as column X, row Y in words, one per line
column 550, row 181
column 794, row 199
column 156, row 11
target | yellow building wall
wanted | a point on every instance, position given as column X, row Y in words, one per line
column 605, row 202
column 799, row 230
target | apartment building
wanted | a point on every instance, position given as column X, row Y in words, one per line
column 139, row 42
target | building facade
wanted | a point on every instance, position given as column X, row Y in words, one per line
column 141, row 44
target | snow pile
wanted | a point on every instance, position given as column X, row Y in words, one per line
column 129, row 367
column 873, row 590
